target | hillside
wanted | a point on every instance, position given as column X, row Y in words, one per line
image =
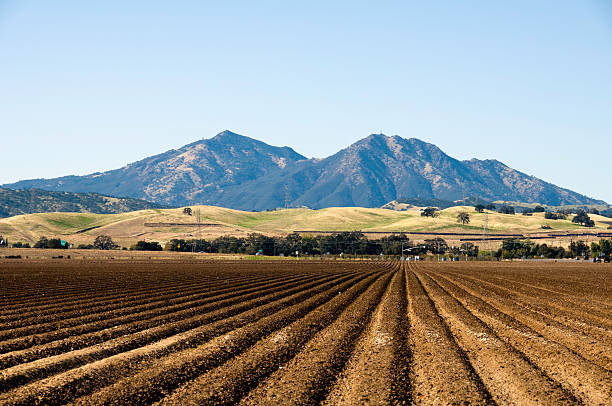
column 232, row 170
column 15, row 202
column 127, row 228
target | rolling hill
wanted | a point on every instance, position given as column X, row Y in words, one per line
column 15, row 202
column 235, row 171
column 165, row 224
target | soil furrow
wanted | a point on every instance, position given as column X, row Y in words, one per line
column 124, row 324
column 26, row 372
column 509, row 376
column 161, row 376
column 586, row 380
column 595, row 351
column 186, row 301
column 62, row 312
column 307, row 378
column 377, row 372
column 573, row 318
column 228, row 383
column 440, row 372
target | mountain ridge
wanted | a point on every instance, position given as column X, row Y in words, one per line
column 29, row 201
column 240, row 172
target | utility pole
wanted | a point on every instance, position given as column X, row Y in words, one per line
column 286, row 197
column 484, row 228
column 199, row 229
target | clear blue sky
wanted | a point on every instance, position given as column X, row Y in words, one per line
column 93, row 85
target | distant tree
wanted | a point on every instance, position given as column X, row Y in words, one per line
column 463, row 218
column 506, row 210
column 555, row 216
column 436, row 245
column 583, row 218
column 85, row 247
column 539, row 209
column 430, row 212
column 3, row 242
column 55, row 243
column 182, row 245
column 479, row 208
column 594, row 211
column 41, row 243
column 491, row 207
column 605, row 247
column 469, row 249
column 104, row 242
column 187, row 211
column 147, row 246
column 579, row 249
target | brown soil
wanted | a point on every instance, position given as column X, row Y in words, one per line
column 191, row 331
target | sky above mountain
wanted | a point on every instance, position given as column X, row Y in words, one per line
column 89, row 86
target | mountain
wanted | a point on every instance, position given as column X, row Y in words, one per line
column 197, row 172
column 235, row 171
column 15, row 202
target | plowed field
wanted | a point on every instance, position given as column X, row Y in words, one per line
column 299, row 332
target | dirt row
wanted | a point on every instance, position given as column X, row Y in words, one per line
column 317, row 333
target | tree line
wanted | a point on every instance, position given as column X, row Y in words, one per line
column 343, row 243
column 515, row 248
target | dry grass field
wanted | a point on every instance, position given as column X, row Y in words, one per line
column 186, row 331
column 127, row 228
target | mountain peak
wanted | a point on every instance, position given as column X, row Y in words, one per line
column 229, row 134
column 240, row 172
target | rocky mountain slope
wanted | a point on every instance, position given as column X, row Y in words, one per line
column 16, row 202
column 234, row 171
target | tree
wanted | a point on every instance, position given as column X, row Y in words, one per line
column 491, row 207
column 594, row 211
column 436, row 245
column 469, row 249
column 147, row 246
column 583, row 218
column 479, row 208
column 579, row 249
column 3, row 242
column 41, row 243
column 430, row 212
column 539, row 209
column 187, row 211
column 605, row 247
column 463, row 218
column 56, row 243
column 506, row 210
column 104, row 242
